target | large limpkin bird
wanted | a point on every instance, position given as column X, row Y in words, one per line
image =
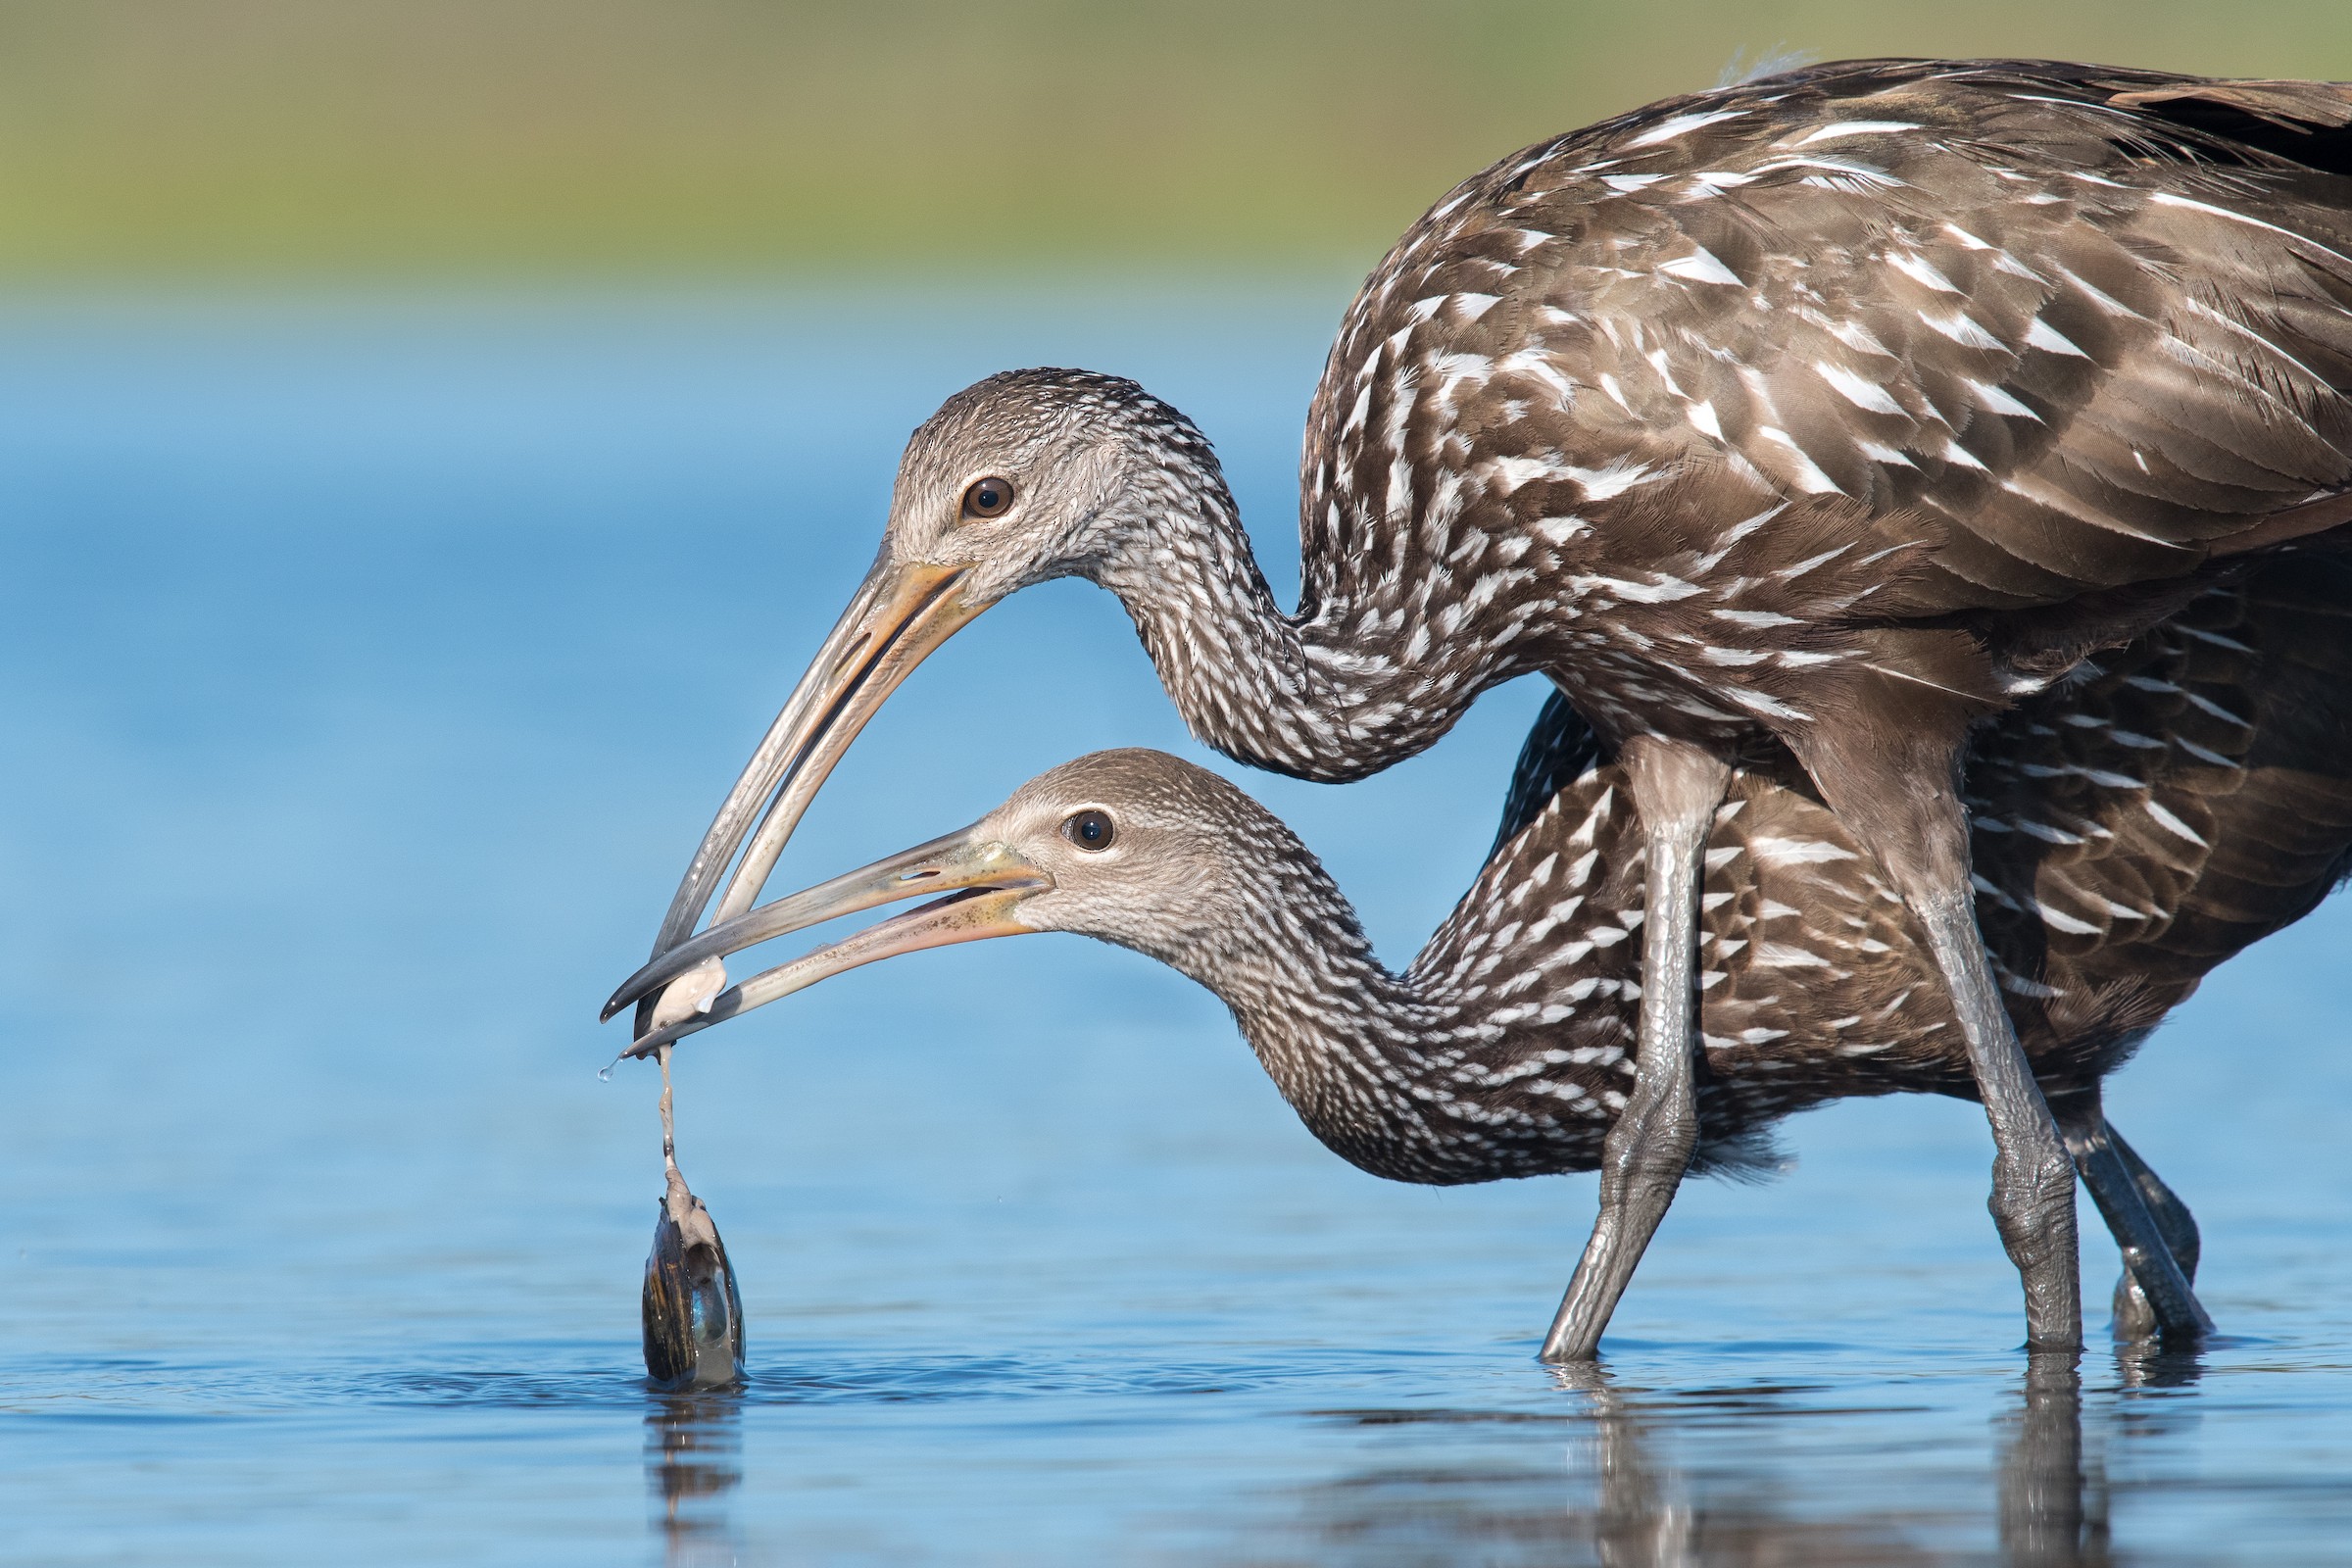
column 2176, row 801
column 1834, row 411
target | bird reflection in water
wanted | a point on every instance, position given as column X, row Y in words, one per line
column 1632, row 1506
column 2045, row 1520
column 693, row 1466
column 1643, row 1515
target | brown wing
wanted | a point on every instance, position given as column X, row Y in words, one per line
column 1812, row 978
column 1561, row 748
column 1544, row 934
column 2064, row 327
column 2177, row 801
column 2190, row 795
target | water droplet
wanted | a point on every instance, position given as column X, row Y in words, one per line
column 605, row 1073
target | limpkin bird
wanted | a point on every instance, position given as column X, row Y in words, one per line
column 1834, row 411
column 2178, row 799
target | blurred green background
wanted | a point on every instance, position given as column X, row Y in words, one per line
column 755, row 137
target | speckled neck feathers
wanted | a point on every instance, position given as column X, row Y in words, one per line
column 1340, row 689
column 1449, row 1071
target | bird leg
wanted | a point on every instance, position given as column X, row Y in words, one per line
column 2136, row 1315
column 1902, row 799
column 2172, row 1218
column 1676, row 788
column 2153, row 1276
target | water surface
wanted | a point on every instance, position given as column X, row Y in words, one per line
column 372, row 665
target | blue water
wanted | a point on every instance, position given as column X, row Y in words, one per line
column 369, row 669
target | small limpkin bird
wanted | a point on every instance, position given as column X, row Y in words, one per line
column 1834, row 411
column 2182, row 798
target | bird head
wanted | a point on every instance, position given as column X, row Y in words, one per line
column 1025, row 476
column 1035, row 474
column 1132, row 847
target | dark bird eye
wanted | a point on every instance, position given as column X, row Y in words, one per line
column 1089, row 830
column 987, row 498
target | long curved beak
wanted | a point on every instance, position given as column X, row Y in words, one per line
column 984, row 884
column 898, row 615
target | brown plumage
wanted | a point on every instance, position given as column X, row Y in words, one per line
column 2185, row 797
column 1834, row 411
column 2182, row 799
column 1992, row 338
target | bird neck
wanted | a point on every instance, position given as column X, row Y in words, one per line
column 1466, row 1067
column 1346, row 1042
column 1337, row 690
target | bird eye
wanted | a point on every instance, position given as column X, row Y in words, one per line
column 987, row 498
column 1089, row 830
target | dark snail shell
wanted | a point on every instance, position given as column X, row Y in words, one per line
column 692, row 1312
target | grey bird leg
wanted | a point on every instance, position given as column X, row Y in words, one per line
column 2151, row 1267
column 2135, row 1313
column 1903, row 803
column 1676, row 788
